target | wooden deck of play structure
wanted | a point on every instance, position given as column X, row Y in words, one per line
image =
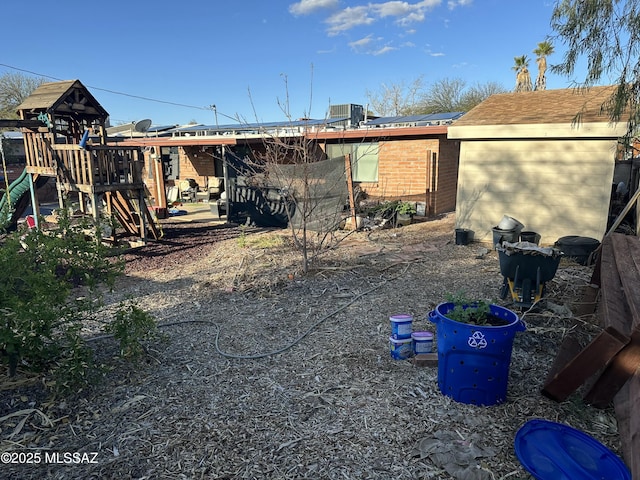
column 64, row 135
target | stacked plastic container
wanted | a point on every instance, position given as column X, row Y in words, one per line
column 404, row 342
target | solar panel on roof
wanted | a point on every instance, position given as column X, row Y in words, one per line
column 160, row 128
column 432, row 117
column 261, row 125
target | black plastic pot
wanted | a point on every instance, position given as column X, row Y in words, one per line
column 500, row 235
column 532, row 237
column 462, row 236
column 577, row 248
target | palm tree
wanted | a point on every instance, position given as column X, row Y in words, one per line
column 523, row 79
column 542, row 52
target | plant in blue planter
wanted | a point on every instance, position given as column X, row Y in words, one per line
column 476, row 312
column 474, row 340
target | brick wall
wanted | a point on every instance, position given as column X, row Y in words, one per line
column 404, row 172
column 193, row 164
column 196, row 164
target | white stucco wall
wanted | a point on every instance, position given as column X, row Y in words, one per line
column 554, row 185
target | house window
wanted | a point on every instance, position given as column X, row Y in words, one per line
column 364, row 159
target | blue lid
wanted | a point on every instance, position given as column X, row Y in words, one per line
column 553, row 451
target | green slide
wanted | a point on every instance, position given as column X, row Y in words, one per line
column 20, row 199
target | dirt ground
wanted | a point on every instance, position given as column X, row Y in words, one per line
column 266, row 373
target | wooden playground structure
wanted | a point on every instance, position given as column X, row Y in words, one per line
column 65, row 138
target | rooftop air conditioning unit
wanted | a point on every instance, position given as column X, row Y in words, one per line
column 354, row 113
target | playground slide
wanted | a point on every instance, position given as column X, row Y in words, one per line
column 20, row 199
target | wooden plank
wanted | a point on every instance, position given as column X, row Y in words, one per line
column 627, row 254
column 617, row 373
column 633, row 441
column 627, row 408
column 151, row 222
column 123, row 208
column 46, row 171
column 66, row 147
column 595, row 275
column 569, row 348
column 90, row 168
column 614, row 306
column 11, row 123
column 588, row 301
column 593, row 358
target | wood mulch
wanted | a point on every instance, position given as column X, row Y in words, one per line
column 264, row 372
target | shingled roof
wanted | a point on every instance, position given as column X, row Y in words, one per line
column 540, row 107
column 63, row 97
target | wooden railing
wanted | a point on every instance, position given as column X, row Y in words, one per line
column 97, row 168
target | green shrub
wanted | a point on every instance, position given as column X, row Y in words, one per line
column 130, row 327
column 49, row 288
column 406, row 208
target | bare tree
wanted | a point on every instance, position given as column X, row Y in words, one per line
column 479, row 93
column 453, row 95
column 396, row 98
column 443, row 96
column 291, row 174
column 14, row 88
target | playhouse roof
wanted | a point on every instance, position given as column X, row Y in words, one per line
column 63, row 98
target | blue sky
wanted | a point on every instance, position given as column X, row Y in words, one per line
column 251, row 58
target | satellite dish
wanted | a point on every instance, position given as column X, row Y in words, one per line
column 142, row 126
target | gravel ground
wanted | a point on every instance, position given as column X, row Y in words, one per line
column 264, row 372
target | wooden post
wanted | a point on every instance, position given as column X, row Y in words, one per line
column 225, row 173
column 158, row 173
column 35, row 206
column 142, row 210
column 81, row 201
column 95, row 200
column 352, row 200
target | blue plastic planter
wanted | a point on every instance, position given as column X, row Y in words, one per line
column 473, row 360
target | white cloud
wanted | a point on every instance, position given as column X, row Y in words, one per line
column 436, row 54
column 305, row 7
column 363, row 42
column 347, row 19
column 384, row 50
column 326, row 52
column 458, row 3
column 369, row 45
column 392, row 9
column 403, row 12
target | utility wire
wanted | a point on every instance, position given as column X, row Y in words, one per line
column 208, row 108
